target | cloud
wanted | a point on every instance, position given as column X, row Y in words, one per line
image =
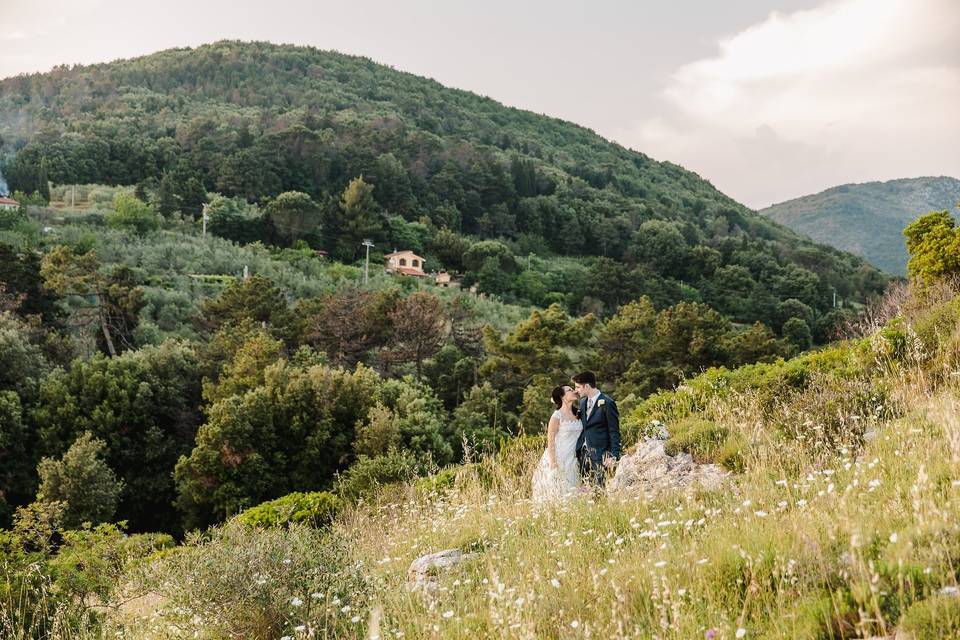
column 850, row 90
column 23, row 20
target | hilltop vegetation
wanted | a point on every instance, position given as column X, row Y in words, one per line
column 867, row 219
column 840, row 521
column 450, row 171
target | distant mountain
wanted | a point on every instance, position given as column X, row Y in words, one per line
column 868, row 219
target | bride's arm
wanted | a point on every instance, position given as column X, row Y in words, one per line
column 552, row 427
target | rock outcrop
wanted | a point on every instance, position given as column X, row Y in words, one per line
column 650, row 470
column 423, row 571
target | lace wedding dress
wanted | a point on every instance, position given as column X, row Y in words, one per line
column 550, row 485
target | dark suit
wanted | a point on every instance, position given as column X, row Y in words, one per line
column 600, row 438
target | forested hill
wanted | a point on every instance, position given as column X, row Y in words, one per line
column 868, row 219
column 450, row 169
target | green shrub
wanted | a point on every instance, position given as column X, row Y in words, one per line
column 936, row 618
column 440, row 481
column 707, row 442
column 314, row 509
column 367, row 475
column 818, row 615
column 83, row 480
column 248, row 582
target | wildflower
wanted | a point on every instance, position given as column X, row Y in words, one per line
column 555, row 583
column 710, row 634
column 660, row 563
column 300, row 628
column 741, row 632
column 448, row 614
column 295, row 601
column 893, row 537
column 575, row 624
column 760, row 514
column 316, row 595
column 355, row 619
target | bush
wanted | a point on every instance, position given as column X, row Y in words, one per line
column 131, row 213
column 314, row 509
column 242, row 582
column 49, row 576
column 935, row 618
column 368, row 475
column 440, row 481
column 706, row 442
column 82, row 480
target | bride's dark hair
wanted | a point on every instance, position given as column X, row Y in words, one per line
column 558, row 394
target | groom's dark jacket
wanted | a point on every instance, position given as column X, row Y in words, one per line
column 601, row 429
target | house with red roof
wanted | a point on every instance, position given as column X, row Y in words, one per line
column 405, row 263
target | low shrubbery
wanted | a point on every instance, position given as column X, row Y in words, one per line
column 315, row 509
column 243, row 582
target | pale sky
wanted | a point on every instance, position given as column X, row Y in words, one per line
column 768, row 100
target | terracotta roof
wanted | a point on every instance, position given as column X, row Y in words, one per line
column 410, row 271
column 5, row 200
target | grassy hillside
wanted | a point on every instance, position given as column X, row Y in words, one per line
column 868, row 219
column 253, row 120
column 840, row 523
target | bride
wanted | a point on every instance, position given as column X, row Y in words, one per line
column 557, row 475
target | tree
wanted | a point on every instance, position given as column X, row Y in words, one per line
column 756, row 344
column 934, row 246
column 290, row 434
column 688, row 337
column 481, row 419
column 660, row 245
column 115, row 300
column 625, row 338
column 294, row 215
column 538, row 345
column 420, row 326
column 255, row 299
column 130, row 213
column 359, row 218
column 235, row 219
column 449, row 246
column 797, row 333
column 348, row 322
column 145, row 405
column 83, row 480
column 479, row 253
column 167, row 203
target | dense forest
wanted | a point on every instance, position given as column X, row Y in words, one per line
column 449, row 170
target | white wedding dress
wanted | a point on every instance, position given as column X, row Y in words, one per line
column 550, row 485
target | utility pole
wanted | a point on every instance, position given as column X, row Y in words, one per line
column 367, row 242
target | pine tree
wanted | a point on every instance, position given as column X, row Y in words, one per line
column 167, row 202
column 359, row 218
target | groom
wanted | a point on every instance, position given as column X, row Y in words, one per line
column 598, row 447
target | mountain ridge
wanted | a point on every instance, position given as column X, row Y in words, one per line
column 867, row 218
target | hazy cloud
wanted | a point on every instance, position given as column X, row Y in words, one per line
column 851, row 90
